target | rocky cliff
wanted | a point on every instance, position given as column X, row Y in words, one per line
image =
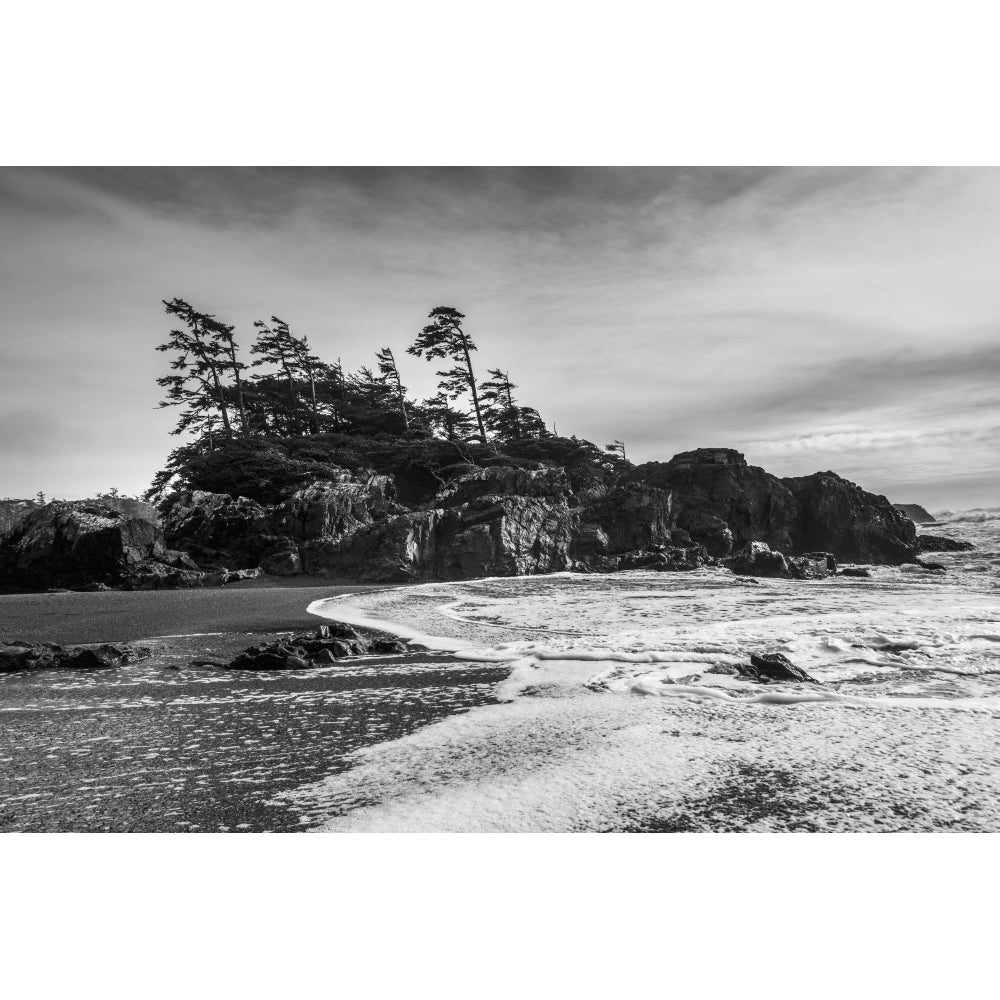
column 499, row 520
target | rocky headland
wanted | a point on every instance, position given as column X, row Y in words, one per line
column 497, row 516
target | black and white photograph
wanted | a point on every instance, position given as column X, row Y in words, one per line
column 499, row 502
column 515, row 499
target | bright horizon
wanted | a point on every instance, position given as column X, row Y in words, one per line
column 812, row 318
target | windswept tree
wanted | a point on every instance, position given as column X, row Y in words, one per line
column 441, row 418
column 503, row 416
column 205, row 357
column 274, row 347
column 390, row 375
column 444, row 337
column 617, row 448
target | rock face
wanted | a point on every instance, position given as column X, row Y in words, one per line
column 723, row 502
column 840, row 517
column 915, row 513
column 80, row 544
column 217, row 529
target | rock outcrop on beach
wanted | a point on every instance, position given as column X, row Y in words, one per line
column 17, row 656
column 837, row 516
column 326, row 645
column 721, row 501
column 724, row 503
column 87, row 543
column 938, row 543
column 513, row 520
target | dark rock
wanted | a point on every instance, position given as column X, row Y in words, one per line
column 387, row 646
column 723, row 502
column 502, row 480
column 855, row 571
column 915, row 513
column 812, row 566
column 757, row 559
column 217, row 529
column 938, row 543
column 78, row 544
column 838, row 516
column 774, row 667
column 284, row 562
column 931, row 565
column 15, row 656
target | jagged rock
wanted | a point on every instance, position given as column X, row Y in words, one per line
column 285, row 560
column 840, row 517
column 400, row 549
column 502, row 480
column 631, row 517
column 722, row 501
column 812, row 565
column 773, row 667
column 915, row 513
column 336, row 510
column 923, row 564
column 757, row 559
column 855, row 571
column 158, row 576
column 217, row 529
column 16, row 656
column 325, row 646
column 504, row 536
column 938, row 543
column 80, row 544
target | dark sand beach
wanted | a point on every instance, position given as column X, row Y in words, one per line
column 162, row 745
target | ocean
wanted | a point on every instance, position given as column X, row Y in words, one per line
column 597, row 703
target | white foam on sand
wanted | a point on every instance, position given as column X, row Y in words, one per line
column 622, row 710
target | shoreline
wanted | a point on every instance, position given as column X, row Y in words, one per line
column 248, row 607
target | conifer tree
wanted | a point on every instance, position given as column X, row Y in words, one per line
column 445, row 338
column 206, row 353
column 390, row 374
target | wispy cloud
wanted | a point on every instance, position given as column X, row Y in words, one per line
column 778, row 310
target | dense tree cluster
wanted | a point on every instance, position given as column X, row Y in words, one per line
column 287, row 393
column 295, row 393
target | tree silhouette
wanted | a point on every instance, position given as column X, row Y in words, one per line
column 445, row 338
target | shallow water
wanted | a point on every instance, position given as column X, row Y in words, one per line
column 621, row 712
column 162, row 746
column 562, row 703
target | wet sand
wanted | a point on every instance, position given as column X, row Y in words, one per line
column 121, row 616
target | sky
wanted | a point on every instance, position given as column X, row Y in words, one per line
column 813, row 318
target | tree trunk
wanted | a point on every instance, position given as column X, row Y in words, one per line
column 472, row 386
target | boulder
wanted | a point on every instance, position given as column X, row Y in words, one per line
column 812, row 565
column 938, row 543
column 321, row 648
column 17, row 656
column 838, row 516
column 773, row 667
column 757, row 559
column 78, row 545
column 860, row 571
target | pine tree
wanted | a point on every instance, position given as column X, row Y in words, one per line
column 390, row 375
column 275, row 346
column 445, row 338
column 206, row 354
column 617, row 448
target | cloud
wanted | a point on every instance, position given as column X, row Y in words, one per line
column 669, row 307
